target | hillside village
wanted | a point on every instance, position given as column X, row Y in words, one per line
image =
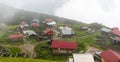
column 33, row 37
column 57, row 42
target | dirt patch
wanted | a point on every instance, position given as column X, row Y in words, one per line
column 92, row 50
column 29, row 49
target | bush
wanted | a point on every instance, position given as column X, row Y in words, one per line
column 14, row 50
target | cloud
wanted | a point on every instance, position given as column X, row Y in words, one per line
column 106, row 12
column 41, row 6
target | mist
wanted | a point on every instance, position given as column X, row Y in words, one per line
column 40, row 6
column 106, row 12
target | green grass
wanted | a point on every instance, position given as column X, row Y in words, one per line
column 5, row 59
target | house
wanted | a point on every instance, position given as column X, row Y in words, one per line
column 35, row 25
column 87, row 29
column 35, row 21
column 49, row 22
column 29, row 32
column 49, row 32
column 66, row 31
column 63, row 47
column 116, row 40
column 82, row 58
column 110, row 56
column 23, row 24
column 16, row 37
column 115, row 32
column 105, row 31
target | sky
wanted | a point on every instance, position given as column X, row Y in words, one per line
column 41, row 6
column 106, row 12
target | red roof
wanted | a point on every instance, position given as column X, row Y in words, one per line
column 110, row 56
column 49, row 31
column 22, row 23
column 48, row 20
column 35, row 25
column 116, row 31
column 63, row 44
column 16, row 36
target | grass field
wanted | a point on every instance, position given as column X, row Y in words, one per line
column 4, row 59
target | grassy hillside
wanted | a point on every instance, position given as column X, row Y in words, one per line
column 4, row 59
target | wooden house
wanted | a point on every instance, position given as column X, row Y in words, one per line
column 49, row 32
column 35, row 25
column 82, row 58
column 116, row 40
column 63, row 47
column 22, row 26
column 35, row 21
column 66, row 32
column 16, row 37
column 115, row 32
column 49, row 23
column 29, row 32
column 110, row 56
column 87, row 29
column 105, row 31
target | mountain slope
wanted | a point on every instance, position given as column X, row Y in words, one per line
column 14, row 16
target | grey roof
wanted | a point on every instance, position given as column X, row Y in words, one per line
column 106, row 29
column 83, row 58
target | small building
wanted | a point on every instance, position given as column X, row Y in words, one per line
column 84, row 28
column 116, row 40
column 115, row 32
column 35, row 25
column 66, row 31
column 16, row 37
column 29, row 32
column 23, row 24
column 63, row 47
column 35, row 21
column 110, row 56
column 82, row 58
column 105, row 31
column 49, row 22
column 49, row 32
column 87, row 29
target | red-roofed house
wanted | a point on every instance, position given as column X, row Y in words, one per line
column 22, row 23
column 35, row 25
column 48, row 20
column 49, row 23
column 49, row 32
column 16, row 37
column 110, row 56
column 116, row 31
column 63, row 47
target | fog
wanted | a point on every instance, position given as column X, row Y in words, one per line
column 106, row 12
column 41, row 6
